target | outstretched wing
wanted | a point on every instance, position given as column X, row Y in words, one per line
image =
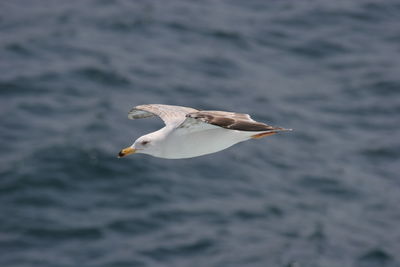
column 228, row 120
column 171, row 115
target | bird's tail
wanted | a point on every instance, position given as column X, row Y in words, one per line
column 270, row 132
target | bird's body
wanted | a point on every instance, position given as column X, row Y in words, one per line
column 182, row 144
column 190, row 133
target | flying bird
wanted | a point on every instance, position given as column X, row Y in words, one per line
column 189, row 132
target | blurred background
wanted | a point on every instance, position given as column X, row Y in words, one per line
column 326, row 194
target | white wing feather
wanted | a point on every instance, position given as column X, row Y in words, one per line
column 171, row 115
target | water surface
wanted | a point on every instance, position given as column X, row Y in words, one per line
column 324, row 195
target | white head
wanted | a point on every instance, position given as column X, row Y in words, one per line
column 146, row 144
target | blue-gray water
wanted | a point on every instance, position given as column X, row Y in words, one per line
column 324, row 195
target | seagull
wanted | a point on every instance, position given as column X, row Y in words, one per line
column 190, row 132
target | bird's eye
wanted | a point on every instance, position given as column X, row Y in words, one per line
column 145, row 142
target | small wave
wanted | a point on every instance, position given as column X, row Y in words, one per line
column 376, row 257
column 186, row 249
column 103, row 76
column 49, row 233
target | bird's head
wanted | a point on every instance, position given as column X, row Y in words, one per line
column 144, row 144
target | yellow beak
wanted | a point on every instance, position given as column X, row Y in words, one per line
column 126, row 151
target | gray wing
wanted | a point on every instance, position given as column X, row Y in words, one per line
column 171, row 115
column 228, row 120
